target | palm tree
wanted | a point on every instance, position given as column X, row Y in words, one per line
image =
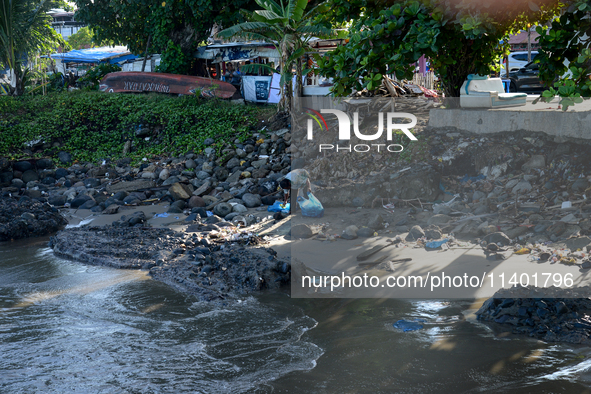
column 24, row 32
column 289, row 28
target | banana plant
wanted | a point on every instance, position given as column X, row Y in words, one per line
column 289, row 27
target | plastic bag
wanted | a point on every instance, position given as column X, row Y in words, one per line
column 435, row 244
column 279, row 207
column 406, row 325
column 311, row 207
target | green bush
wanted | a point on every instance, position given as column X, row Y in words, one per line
column 95, row 125
column 90, row 80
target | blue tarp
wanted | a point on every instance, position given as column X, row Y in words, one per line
column 95, row 55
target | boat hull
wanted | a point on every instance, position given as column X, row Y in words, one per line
column 137, row 82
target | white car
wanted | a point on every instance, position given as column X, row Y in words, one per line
column 517, row 60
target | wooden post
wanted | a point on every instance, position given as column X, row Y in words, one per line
column 146, row 54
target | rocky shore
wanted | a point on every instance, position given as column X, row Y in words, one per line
column 196, row 262
column 26, row 217
column 561, row 318
column 520, row 193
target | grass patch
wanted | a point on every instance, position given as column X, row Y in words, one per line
column 95, row 125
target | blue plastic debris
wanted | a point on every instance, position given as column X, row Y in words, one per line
column 406, row 325
column 311, row 207
column 436, row 244
column 161, row 215
column 279, row 207
column 467, row 178
column 209, row 213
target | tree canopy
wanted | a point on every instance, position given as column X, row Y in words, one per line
column 460, row 37
column 565, row 54
column 173, row 28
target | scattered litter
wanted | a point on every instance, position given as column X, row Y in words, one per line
column 161, row 215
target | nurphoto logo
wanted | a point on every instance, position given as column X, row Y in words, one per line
column 318, row 121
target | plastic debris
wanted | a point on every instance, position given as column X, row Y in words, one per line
column 279, row 207
column 407, row 325
column 436, row 244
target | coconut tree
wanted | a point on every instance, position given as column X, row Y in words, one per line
column 288, row 26
column 24, row 31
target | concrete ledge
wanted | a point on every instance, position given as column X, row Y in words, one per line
column 541, row 117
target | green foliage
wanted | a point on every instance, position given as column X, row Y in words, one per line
column 565, row 55
column 85, row 38
column 24, row 33
column 175, row 28
column 90, row 80
column 95, row 125
column 459, row 38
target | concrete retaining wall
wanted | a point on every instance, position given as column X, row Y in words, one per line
column 555, row 123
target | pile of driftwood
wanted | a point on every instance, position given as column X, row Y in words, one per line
column 392, row 88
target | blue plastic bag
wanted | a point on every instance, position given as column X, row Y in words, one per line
column 406, row 325
column 311, row 207
column 278, row 207
column 435, row 244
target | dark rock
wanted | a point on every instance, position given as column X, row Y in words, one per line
column 174, row 209
column 433, row 234
column 222, row 209
column 78, row 201
column 64, row 157
column 251, row 200
column 196, row 202
column 48, row 180
column 120, row 195
column 415, row 233
column 44, row 164
column 357, row 202
column 365, row 232
column 111, row 209
column 497, row 238
column 376, row 223
column 229, row 217
column 301, row 231
column 580, row 185
column 29, row 175
column 132, row 200
column 6, row 178
column 61, row 173
column 208, row 141
column 22, row 166
column 27, row 218
column 269, row 200
column 88, row 205
column 200, row 211
column 58, row 201
column 92, row 182
column 32, row 193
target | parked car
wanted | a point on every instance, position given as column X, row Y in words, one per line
column 517, row 60
column 526, row 79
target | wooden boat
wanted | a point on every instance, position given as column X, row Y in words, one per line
column 135, row 82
